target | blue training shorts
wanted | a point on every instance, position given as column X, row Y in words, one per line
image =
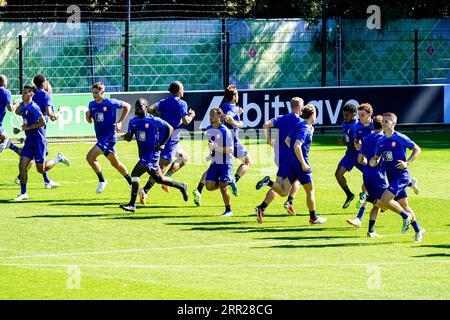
column 220, row 173
column 35, row 150
column 350, row 161
column 107, row 146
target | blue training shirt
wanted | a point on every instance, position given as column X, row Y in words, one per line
column 223, row 137
column 43, row 99
column 368, row 149
column 233, row 111
column 303, row 133
column 172, row 110
column 104, row 115
column 5, row 99
column 391, row 150
column 361, row 131
column 148, row 132
column 31, row 114
column 285, row 124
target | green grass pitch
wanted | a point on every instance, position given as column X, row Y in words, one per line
column 70, row 243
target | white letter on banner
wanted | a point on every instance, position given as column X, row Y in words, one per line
column 65, row 117
column 215, row 103
column 333, row 116
column 374, row 21
column 247, row 107
column 319, row 107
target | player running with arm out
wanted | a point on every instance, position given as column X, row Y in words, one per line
column 102, row 111
column 173, row 110
column 299, row 168
column 284, row 124
column 391, row 150
column 220, row 171
column 152, row 133
column 35, row 143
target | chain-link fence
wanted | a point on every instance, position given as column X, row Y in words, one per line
column 208, row 54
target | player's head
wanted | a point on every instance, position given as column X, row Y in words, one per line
column 378, row 123
column 215, row 115
column 365, row 112
column 48, row 87
column 98, row 89
column 3, row 81
column 309, row 113
column 231, row 94
column 349, row 112
column 389, row 121
column 28, row 92
column 39, row 81
column 297, row 105
column 140, row 108
column 176, row 88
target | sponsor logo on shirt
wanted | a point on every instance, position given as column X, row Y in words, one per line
column 388, row 156
column 141, row 136
column 99, row 117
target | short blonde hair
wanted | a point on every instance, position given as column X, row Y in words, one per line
column 308, row 111
column 297, row 102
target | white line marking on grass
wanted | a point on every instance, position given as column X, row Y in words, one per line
column 221, row 266
column 219, row 245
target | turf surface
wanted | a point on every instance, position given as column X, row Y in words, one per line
column 70, row 243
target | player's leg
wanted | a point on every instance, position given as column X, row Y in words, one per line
column 138, row 170
column 226, row 199
column 91, row 158
column 197, row 193
column 23, row 176
column 158, row 177
column 118, row 165
column 343, row 167
column 373, row 218
column 308, row 186
column 180, row 161
column 387, row 201
column 289, row 204
column 5, row 143
column 270, row 196
column 241, row 153
column 419, row 231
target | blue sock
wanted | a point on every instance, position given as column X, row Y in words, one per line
column 46, row 178
column 23, row 188
column 361, row 212
column 13, row 147
column 416, row 226
column 404, row 214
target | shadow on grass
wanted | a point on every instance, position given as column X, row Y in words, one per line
column 439, row 246
column 141, row 217
column 66, row 216
column 433, row 255
column 206, row 223
column 324, row 238
column 328, row 245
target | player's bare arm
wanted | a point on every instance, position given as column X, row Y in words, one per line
column 41, row 123
column 126, row 110
column 187, row 119
column 415, row 153
column 299, row 154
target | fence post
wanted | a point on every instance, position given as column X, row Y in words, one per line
column 20, row 48
column 91, row 52
column 324, row 43
column 126, row 84
column 225, row 54
column 338, row 51
column 416, row 56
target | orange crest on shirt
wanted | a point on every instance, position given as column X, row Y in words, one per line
column 394, row 144
column 147, row 125
column 105, row 109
